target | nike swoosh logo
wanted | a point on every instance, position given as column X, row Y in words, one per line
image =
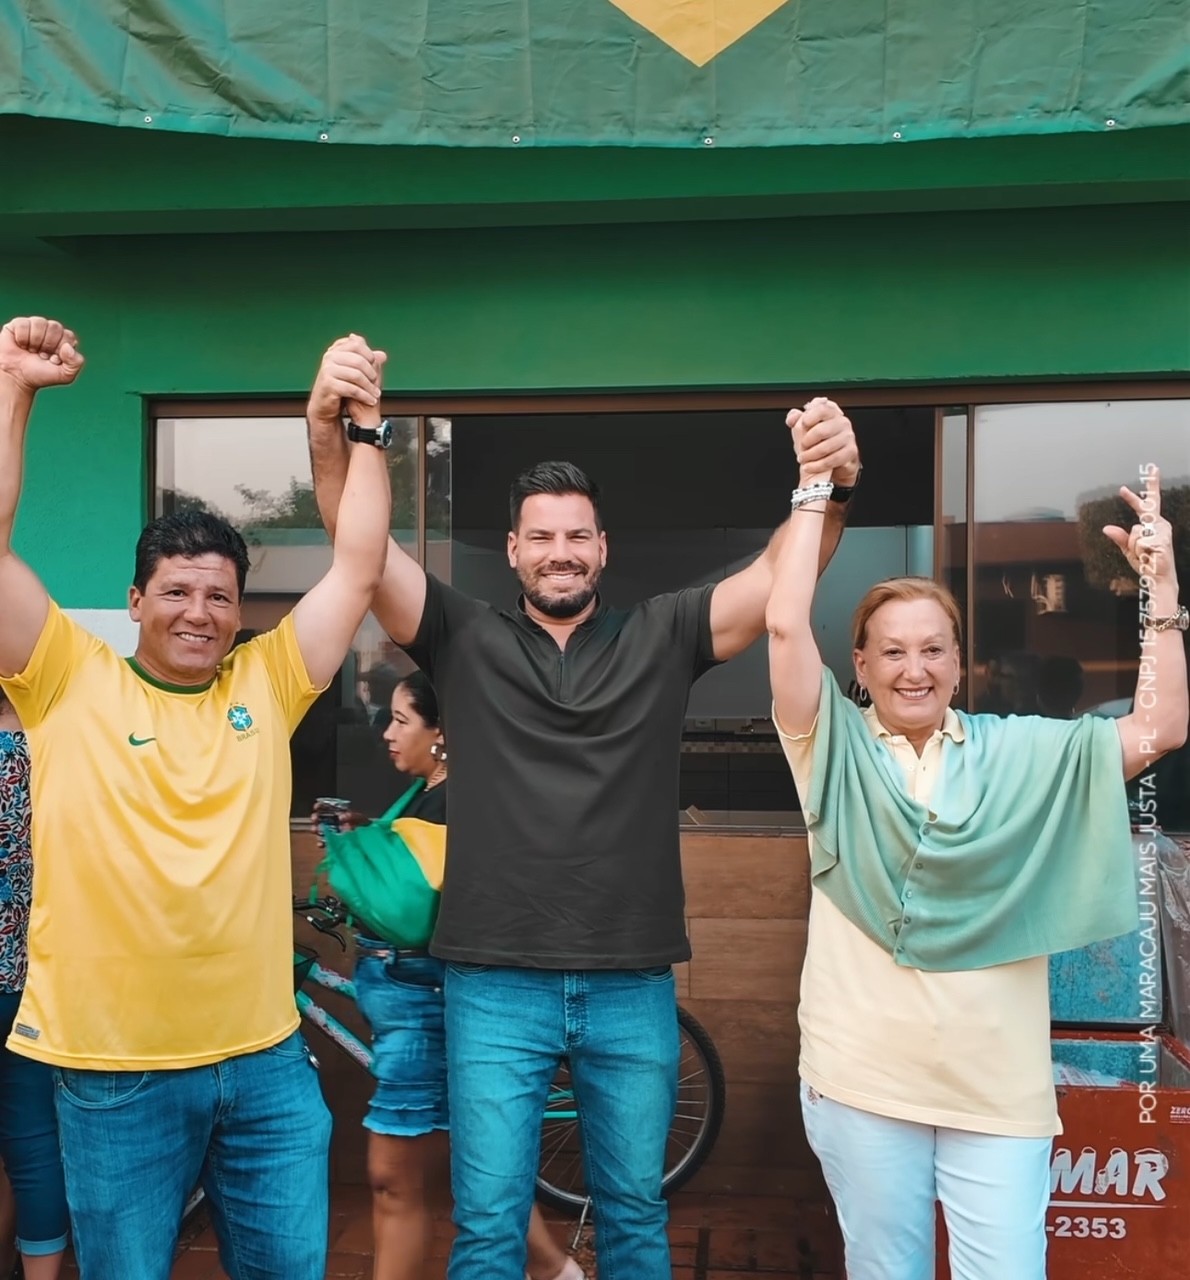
column 139, row 742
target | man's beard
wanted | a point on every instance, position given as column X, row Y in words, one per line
column 562, row 607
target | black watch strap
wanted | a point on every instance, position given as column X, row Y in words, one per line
column 842, row 492
column 380, row 436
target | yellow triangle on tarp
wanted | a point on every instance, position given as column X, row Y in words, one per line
column 699, row 29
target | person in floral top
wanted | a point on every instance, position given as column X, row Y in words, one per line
column 28, row 1129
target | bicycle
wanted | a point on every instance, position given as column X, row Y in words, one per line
column 560, row 1184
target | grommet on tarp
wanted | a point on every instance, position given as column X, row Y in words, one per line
column 148, row 119
column 1110, row 124
column 324, row 137
column 708, row 141
column 896, row 135
column 516, row 137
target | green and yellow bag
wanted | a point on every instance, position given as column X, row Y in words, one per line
column 388, row 874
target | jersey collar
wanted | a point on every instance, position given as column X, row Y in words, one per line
column 169, row 688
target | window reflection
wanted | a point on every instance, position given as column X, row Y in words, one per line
column 1056, row 606
column 952, row 517
column 439, row 458
column 255, row 473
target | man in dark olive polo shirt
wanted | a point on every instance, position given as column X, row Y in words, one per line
column 563, row 907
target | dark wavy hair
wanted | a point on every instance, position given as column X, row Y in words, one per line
column 188, row 534
column 421, row 693
column 552, row 477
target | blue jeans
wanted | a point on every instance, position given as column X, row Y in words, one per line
column 506, row 1030
column 29, row 1144
column 254, row 1129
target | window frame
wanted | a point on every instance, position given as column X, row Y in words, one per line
column 943, row 398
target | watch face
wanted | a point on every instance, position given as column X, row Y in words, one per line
column 384, row 434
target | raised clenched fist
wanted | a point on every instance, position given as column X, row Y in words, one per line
column 36, row 352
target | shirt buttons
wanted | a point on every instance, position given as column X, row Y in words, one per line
column 918, row 865
column 909, row 893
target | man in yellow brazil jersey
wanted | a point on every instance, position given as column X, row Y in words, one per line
column 160, row 941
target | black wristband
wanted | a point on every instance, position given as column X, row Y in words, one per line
column 841, row 493
column 380, row 436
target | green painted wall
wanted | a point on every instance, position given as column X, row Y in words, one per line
column 122, row 181
column 806, row 302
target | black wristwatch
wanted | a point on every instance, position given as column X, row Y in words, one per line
column 842, row 492
column 381, row 436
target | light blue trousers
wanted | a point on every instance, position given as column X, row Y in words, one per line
column 886, row 1175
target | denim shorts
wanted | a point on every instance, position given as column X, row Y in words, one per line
column 401, row 997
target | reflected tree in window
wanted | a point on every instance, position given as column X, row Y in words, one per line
column 178, row 501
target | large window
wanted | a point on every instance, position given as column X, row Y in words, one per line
column 255, row 472
column 689, row 498
column 1002, row 501
column 1055, row 624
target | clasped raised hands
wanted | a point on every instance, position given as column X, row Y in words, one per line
column 36, row 353
column 350, row 373
column 824, row 442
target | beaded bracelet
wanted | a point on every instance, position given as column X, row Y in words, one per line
column 812, row 493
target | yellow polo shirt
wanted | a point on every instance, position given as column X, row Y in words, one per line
column 966, row 1050
column 161, row 932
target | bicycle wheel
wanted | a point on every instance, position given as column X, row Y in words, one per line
column 696, row 1122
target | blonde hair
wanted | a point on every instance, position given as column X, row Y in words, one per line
column 904, row 589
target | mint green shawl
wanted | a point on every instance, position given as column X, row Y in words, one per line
column 1029, row 851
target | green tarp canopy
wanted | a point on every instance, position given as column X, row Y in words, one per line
column 678, row 73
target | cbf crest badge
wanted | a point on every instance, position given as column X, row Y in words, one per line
column 240, row 718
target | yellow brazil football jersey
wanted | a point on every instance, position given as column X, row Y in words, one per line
column 161, row 930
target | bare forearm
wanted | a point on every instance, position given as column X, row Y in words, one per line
column 365, row 509
column 1161, row 693
column 23, row 614
column 832, row 532
column 15, row 407
column 795, row 666
column 795, row 572
column 833, row 522
column 328, row 463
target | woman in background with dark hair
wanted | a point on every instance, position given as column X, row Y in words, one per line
column 28, row 1127
column 400, row 993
